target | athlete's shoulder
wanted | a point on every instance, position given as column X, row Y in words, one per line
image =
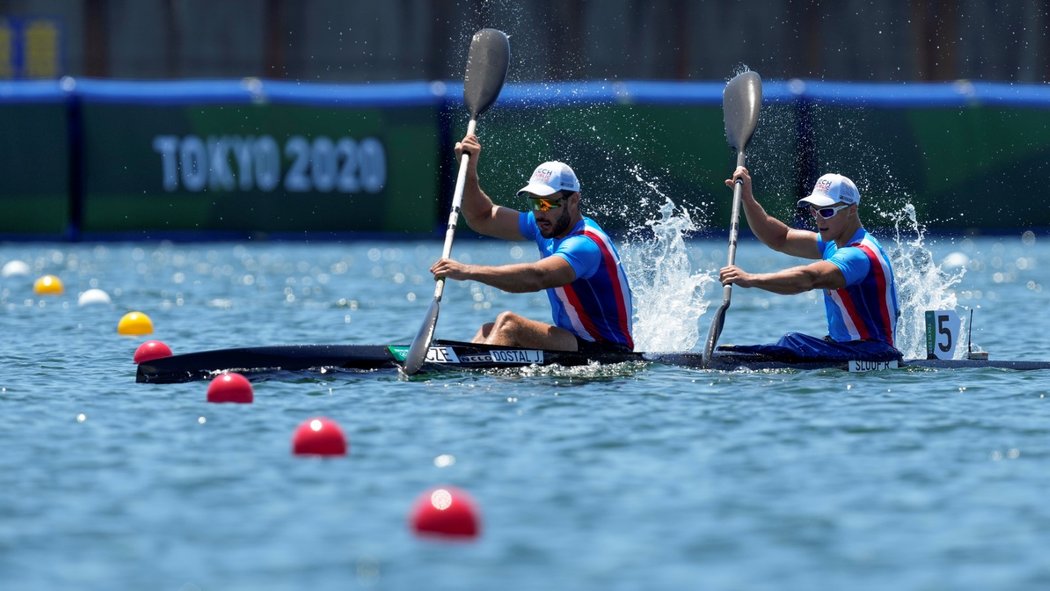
column 870, row 238
column 597, row 234
column 592, row 226
column 869, row 245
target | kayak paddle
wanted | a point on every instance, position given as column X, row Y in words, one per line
column 487, row 63
column 741, row 102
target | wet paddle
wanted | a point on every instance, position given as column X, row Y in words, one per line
column 741, row 102
column 487, row 63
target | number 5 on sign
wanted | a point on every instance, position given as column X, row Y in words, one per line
column 942, row 333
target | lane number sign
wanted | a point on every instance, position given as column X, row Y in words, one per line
column 942, row 333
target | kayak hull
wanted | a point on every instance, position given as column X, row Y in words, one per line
column 454, row 355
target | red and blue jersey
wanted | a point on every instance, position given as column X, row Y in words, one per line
column 597, row 305
column 866, row 309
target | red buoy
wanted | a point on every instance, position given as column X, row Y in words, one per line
column 445, row 511
column 151, row 350
column 319, row 436
column 230, row 387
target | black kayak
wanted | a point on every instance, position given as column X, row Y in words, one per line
column 455, row 355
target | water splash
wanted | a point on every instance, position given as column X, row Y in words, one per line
column 572, row 376
column 921, row 284
column 738, row 70
column 668, row 297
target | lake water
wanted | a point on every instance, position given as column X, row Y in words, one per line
column 632, row 477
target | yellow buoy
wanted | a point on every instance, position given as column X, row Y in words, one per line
column 48, row 285
column 135, row 323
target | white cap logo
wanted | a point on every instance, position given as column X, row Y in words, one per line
column 542, row 175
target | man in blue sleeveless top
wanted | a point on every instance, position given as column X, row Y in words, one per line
column 860, row 296
column 578, row 266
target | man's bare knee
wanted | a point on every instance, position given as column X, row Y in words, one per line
column 506, row 330
column 483, row 333
column 506, row 321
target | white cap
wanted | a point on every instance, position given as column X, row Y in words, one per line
column 831, row 189
column 551, row 177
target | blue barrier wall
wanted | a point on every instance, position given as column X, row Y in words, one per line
column 190, row 159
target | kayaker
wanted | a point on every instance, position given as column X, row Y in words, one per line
column 860, row 295
column 579, row 266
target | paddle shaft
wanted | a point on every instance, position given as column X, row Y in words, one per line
column 453, row 214
column 418, row 351
column 734, row 228
column 727, row 289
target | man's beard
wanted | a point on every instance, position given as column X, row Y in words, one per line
column 559, row 226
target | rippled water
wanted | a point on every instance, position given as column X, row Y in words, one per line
column 624, row 477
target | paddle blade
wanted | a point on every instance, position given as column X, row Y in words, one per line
column 741, row 102
column 417, row 353
column 487, row 64
column 715, row 331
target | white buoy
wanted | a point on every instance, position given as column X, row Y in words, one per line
column 93, row 296
column 15, row 269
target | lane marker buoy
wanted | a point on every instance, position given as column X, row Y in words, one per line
column 15, row 268
column 135, row 324
column 230, row 387
column 151, row 350
column 319, row 436
column 445, row 511
column 93, row 296
column 48, row 285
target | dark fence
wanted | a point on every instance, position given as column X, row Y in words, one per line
column 354, row 41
